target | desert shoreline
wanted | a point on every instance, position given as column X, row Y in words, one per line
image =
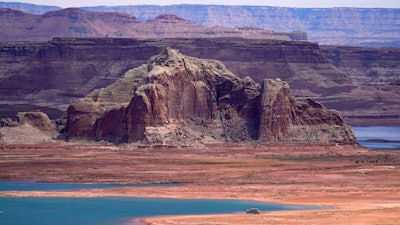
column 361, row 186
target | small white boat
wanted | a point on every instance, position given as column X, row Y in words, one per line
column 253, row 211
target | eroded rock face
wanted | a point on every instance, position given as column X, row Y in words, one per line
column 180, row 100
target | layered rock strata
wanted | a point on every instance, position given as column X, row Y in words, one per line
column 180, row 100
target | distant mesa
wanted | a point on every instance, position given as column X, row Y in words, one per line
column 178, row 100
column 74, row 22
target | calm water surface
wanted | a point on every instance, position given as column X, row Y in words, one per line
column 389, row 137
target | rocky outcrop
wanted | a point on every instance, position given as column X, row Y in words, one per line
column 74, row 22
column 30, row 127
column 179, row 100
column 37, row 120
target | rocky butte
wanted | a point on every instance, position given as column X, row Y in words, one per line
column 175, row 99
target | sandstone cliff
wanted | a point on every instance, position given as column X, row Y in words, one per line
column 179, row 100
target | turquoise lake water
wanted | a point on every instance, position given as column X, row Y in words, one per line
column 114, row 210
column 389, row 136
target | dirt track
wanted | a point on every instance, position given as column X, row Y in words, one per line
column 363, row 186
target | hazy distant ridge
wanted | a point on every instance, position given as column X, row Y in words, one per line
column 346, row 26
column 355, row 26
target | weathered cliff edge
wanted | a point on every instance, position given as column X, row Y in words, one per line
column 180, row 100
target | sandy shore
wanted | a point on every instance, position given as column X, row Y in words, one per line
column 360, row 186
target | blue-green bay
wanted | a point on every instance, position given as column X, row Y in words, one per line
column 114, row 210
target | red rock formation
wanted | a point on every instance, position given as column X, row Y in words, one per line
column 180, row 100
